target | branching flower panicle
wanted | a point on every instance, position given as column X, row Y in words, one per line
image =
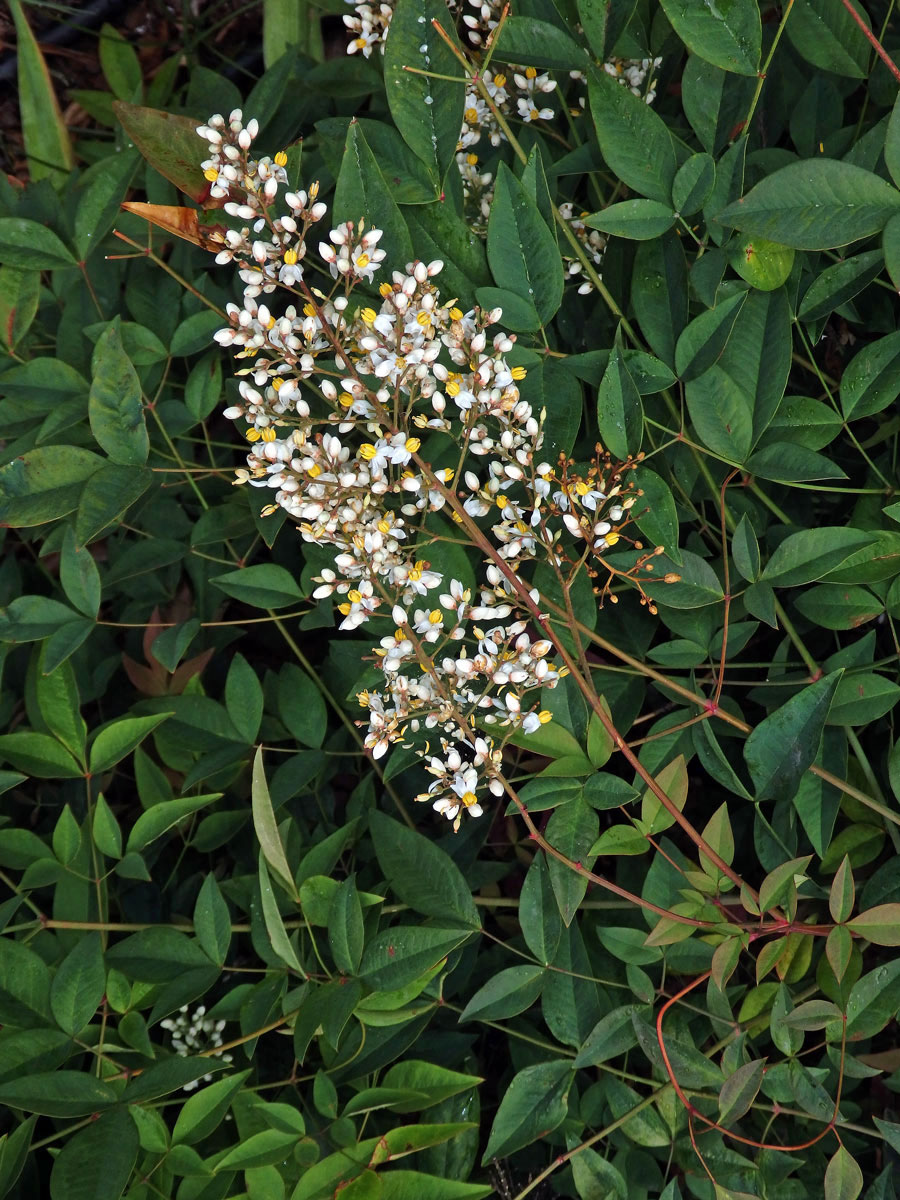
column 336, row 396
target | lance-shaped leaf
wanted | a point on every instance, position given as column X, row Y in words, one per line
column 171, row 146
column 47, row 142
column 785, row 744
column 184, row 223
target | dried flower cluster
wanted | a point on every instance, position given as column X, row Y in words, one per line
column 336, row 397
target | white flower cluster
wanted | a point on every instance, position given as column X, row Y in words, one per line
column 341, row 456
column 194, row 1033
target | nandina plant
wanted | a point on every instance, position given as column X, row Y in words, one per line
column 538, row 832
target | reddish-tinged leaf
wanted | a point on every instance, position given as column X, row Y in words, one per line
column 739, row 1091
column 880, row 925
column 181, row 222
column 171, row 146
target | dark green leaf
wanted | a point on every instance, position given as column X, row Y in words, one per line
column 729, row 35
column 785, row 744
column 521, row 249
column 79, row 984
column 534, row 1104
column 420, row 873
column 114, row 406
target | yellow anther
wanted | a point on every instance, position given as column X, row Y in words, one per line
column 363, row 261
column 470, row 116
column 368, row 315
column 581, row 488
column 281, row 159
column 456, row 314
column 415, row 574
column 345, row 400
column 314, row 471
column 531, row 73
column 277, row 383
column 502, row 501
column 423, row 318
column 545, row 716
column 290, row 257
column 354, row 596
column 269, row 434
column 253, row 434
column 471, row 159
column 211, row 174
column 309, row 310
column 518, row 372
column 385, row 290
column 384, row 527
column 453, row 388
column 612, row 538
column 500, row 80
column 435, row 616
column 344, row 610
column 367, row 451
column 469, row 799
column 413, row 444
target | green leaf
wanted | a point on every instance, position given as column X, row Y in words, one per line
column 765, row 265
column 27, row 244
column 264, row 586
column 693, row 183
column 420, row 873
column 119, row 63
column 740, row 1090
column 843, row 1178
column 703, row 341
column 785, row 744
column 816, row 204
column 212, row 923
column 100, row 192
column 346, row 934
column 839, row 606
column 301, row 707
column 620, row 416
column 414, row 1185
column 107, row 494
column 244, row 698
column 728, row 35
column 507, row 994
column 530, row 41
column 842, row 894
column 428, row 112
column 659, row 293
column 114, row 405
column 278, row 936
column 266, row 827
column 874, row 1000
column 639, row 220
column 538, row 912
column 47, row 142
column 156, row 955
column 780, row 884
column 24, row 987
column 40, row 755
column 633, row 139
column 79, row 985
column 79, row 576
column 826, row 35
column 808, row 555
column 871, row 380
column 58, row 1094
column 572, row 830
column 745, row 550
column 521, row 250
column 839, row 283
column 879, row 925
column 602, row 22
column 105, row 830
column 399, row 955
column 20, row 293
column 44, row 484
column 202, row 1113
column 164, row 816
column 361, row 194
column 96, row 1162
column 534, row 1104
column 697, row 584
column 14, row 1147
column 117, row 740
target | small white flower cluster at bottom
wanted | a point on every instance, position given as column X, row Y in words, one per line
column 194, row 1034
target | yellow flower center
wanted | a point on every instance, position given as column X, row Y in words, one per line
column 314, row 471
column 354, row 596
column 471, row 116
column 211, row 174
column 281, row 159
column 469, row 798
column 367, row 451
column 290, row 257
column 611, row 539
column 531, row 73
column 413, row 444
column 518, row 372
column 435, row 616
column 345, row 400
column 363, row 261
